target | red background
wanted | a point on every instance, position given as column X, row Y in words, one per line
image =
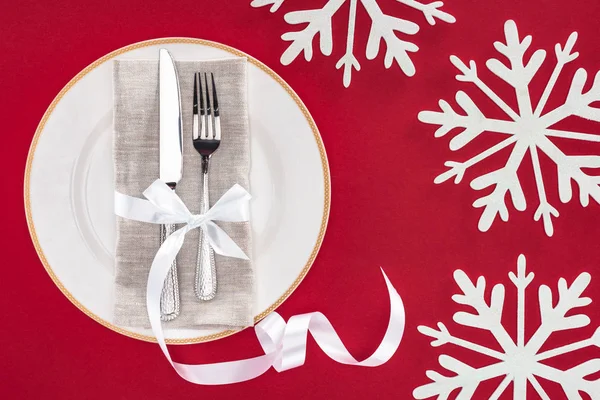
column 386, row 211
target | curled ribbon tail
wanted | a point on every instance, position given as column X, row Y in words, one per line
column 298, row 326
column 395, row 329
column 284, row 344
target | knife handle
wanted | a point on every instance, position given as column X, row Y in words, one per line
column 206, row 273
column 169, row 298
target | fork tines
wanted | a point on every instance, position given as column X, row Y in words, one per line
column 205, row 116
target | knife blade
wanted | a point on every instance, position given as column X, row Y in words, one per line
column 171, row 132
column 171, row 164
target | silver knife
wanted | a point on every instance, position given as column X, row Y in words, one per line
column 171, row 165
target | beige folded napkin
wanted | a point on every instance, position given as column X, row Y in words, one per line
column 136, row 166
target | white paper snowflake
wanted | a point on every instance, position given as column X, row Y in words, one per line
column 383, row 27
column 528, row 130
column 519, row 362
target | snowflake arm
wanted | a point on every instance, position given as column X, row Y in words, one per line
column 577, row 103
column 545, row 211
column 442, row 336
column 563, row 57
column 474, row 122
column 519, row 74
column 383, row 27
column 573, row 380
column 501, row 388
column 457, row 169
column 588, row 137
column 554, row 319
column 521, row 281
column 275, row 4
column 348, row 61
column 430, row 11
column 319, row 21
column 487, row 316
column 466, row 378
column 538, row 388
column 469, row 74
column 570, row 168
column 594, row 340
column 505, row 181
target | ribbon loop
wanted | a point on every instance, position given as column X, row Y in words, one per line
column 165, row 199
column 233, row 206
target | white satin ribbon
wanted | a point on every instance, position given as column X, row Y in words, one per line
column 284, row 345
column 165, row 207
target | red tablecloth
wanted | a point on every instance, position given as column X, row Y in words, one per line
column 386, row 210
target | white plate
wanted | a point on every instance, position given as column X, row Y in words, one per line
column 69, row 186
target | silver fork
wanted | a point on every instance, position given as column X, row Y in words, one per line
column 206, row 138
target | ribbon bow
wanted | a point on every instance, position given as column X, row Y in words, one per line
column 165, row 207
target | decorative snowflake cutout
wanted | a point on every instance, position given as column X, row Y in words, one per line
column 383, row 27
column 519, row 362
column 528, row 130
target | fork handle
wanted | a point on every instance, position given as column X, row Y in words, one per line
column 169, row 298
column 206, row 274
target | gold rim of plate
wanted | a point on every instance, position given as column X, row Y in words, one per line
column 161, row 41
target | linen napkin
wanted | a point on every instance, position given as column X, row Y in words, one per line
column 136, row 166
